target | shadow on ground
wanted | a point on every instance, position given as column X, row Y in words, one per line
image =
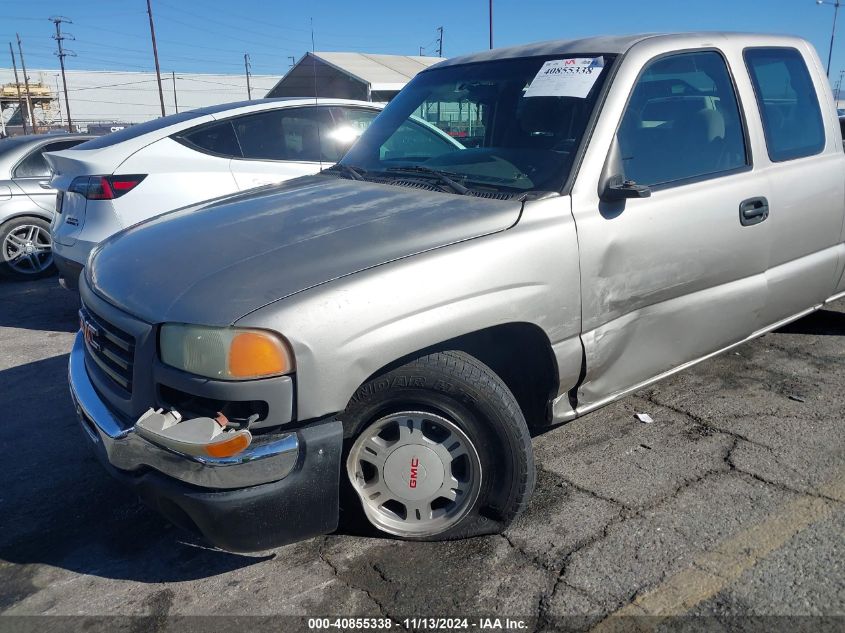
column 60, row 508
column 38, row 305
column 823, row 322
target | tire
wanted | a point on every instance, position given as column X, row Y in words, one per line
column 26, row 249
column 454, row 418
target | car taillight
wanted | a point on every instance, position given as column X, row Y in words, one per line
column 105, row 187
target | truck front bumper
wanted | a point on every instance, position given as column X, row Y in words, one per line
column 281, row 489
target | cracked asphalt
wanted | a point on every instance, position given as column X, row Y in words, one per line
column 729, row 507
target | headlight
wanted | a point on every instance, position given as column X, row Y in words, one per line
column 224, row 353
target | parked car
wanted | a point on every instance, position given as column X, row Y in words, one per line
column 147, row 169
column 381, row 335
column 26, row 203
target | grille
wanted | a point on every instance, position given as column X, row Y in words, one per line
column 111, row 349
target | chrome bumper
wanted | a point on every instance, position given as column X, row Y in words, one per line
column 265, row 461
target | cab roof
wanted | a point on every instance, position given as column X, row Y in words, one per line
column 605, row 44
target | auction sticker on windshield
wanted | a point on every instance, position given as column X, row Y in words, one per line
column 566, row 77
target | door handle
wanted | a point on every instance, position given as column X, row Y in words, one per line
column 753, row 211
column 44, row 184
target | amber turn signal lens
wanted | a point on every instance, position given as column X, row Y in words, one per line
column 255, row 354
column 231, row 446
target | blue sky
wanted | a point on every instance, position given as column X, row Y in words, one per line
column 212, row 35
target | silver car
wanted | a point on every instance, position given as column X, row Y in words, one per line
column 27, row 203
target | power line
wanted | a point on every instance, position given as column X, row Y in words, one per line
column 137, row 54
column 270, row 48
column 229, row 36
column 140, row 53
column 251, row 28
column 128, row 83
column 250, row 31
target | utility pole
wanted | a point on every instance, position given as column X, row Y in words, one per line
column 57, row 20
column 59, row 101
column 292, row 60
column 491, row 24
column 835, row 4
column 26, row 86
column 246, row 69
column 18, row 87
column 155, row 56
column 175, row 103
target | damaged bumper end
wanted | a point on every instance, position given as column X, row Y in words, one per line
column 281, row 488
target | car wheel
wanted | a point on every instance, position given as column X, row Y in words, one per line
column 438, row 449
column 26, row 249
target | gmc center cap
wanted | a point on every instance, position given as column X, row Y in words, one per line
column 413, row 472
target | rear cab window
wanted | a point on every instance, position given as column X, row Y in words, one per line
column 787, row 101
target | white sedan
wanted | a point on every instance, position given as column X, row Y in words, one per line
column 145, row 170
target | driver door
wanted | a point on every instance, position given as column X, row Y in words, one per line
column 673, row 277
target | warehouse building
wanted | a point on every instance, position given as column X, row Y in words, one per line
column 109, row 99
column 361, row 76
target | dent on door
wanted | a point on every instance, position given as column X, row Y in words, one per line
column 668, row 280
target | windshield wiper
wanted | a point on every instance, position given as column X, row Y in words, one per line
column 352, row 172
column 442, row 177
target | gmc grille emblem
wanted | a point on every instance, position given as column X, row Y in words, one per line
column 90, row 333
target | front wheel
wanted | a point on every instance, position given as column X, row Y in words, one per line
column 439, row 450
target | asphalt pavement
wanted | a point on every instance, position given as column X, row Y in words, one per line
column 725, row 513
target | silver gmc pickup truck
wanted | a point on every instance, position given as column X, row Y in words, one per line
column 377, row 342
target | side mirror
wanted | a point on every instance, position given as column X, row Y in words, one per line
column 618, row 189
column 613, row 186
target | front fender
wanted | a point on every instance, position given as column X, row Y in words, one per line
column 345, row 331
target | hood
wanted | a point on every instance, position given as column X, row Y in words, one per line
column 214, row 264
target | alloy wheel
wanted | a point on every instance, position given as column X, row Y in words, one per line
column 417, row 473
column 28, row 249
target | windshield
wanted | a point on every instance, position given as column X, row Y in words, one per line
column 507, row 125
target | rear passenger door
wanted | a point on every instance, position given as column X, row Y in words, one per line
column 678, row 275
column 805, row 167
